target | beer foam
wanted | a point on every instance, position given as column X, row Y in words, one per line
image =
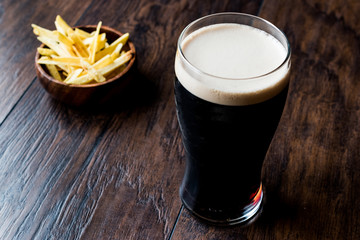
column 232, row 64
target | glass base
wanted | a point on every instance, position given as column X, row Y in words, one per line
column 247, row 215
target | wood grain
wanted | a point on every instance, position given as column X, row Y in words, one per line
column 18, row 43
column 114, row 172
column 312, row 165
column 104, row 173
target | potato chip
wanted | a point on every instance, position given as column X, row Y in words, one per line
column 75, row 56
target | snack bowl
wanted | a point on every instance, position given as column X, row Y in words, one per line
column 93, row 93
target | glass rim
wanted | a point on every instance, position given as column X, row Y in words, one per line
column 182, row 55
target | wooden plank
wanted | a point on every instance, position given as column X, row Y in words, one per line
column 109, row 173
column 311, row 171
column 18, row 43
column 72, row 174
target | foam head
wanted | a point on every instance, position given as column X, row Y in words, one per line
column 232, row 64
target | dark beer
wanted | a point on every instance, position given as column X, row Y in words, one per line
column 225, row 147
column 230, row 89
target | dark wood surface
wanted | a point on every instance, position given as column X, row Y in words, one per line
column 114, row 172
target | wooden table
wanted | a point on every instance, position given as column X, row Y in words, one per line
column 114, row 173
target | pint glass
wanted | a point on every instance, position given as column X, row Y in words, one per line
column 231, row 84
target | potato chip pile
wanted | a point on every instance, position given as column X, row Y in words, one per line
column 74, row 56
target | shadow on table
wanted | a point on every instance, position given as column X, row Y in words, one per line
column 276, row 209
column 140, row 92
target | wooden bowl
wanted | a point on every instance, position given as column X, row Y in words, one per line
column 89, row 94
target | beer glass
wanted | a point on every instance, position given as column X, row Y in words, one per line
column 232, row 72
